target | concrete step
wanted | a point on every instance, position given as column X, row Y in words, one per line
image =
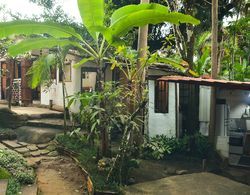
column 3, row 186
column 58, row 115
column 13, row 144
column 50, row 123
column 36, row 135
column 29, row 190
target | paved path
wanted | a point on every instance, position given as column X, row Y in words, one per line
column 30, row 110
column 190, row 184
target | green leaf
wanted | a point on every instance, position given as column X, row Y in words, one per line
column 25, row 27
column 134, row 8
column 40, row 71
column 176, row 64
column 92, row 13
column 39, row 43
column 139, row 15
column 83, row 61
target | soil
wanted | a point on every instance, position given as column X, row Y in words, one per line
column 152, row 169
column 60, row 176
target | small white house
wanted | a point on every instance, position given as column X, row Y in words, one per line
column 179, row 105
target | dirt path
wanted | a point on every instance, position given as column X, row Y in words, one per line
column 59, row 176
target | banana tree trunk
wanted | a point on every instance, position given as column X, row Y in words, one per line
column 142, row 49
column 105, row 152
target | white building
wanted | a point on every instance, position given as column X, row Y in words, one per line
column 173, row 113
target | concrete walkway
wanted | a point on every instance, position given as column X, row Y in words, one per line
column 190, row 184
column 30, row 110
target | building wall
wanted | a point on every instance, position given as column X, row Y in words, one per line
column 237, row 101
column 161, row 123
column 54, row 92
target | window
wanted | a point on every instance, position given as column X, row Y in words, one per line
column 88, row 79
column 161, row 97
column 67, row 73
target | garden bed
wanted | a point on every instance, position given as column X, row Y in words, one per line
column 85, row 156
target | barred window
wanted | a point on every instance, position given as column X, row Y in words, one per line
column 161, row 96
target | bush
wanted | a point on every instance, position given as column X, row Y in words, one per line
column 16, row 165
column 161, row 146
column 4, row 174
column 13, row 187
column 7, row 134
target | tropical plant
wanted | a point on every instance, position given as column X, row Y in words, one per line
column 122, row 21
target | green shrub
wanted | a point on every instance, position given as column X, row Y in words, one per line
column 4, row 174
column 13, row 187
column 161, row 146
column 17, row 166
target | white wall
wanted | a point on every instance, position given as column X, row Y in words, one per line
column 161, row 123
column 237, row 101
column 55, row 94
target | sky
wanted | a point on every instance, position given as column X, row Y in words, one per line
column 28, row 9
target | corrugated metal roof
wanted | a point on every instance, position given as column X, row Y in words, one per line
column 208, row 82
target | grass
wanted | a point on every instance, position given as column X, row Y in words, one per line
column 4, row 174
column 87, row 157
column 14, row 186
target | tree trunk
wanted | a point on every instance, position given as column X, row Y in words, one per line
column 104, row 135
column 214, row 69
column 142, row 49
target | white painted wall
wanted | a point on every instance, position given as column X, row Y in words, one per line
column 54, row 93
column 237, row 101
column 161, row 123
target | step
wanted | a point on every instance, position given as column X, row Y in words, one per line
column 29, row 190
column 50, row 123
column 3, row 186
column 36, row 135
column 12, row 144
column 58, row 115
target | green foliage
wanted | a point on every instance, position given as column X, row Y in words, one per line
column 113, row 114
column 92, row 18
column 31, row 27
column 40, row 72
column 87, row 157
column 4, row 174
column 7, row 134
column 127, row 17
column 17, row 166
column 161, row 146
column 39, row 43
column 14, row 187
column 235, row 54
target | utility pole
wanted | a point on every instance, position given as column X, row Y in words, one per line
column 214, row 69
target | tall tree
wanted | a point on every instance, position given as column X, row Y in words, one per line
column 214, row 68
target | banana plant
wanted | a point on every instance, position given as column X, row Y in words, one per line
column 49, row 35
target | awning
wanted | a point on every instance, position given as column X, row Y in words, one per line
column 208, row 82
